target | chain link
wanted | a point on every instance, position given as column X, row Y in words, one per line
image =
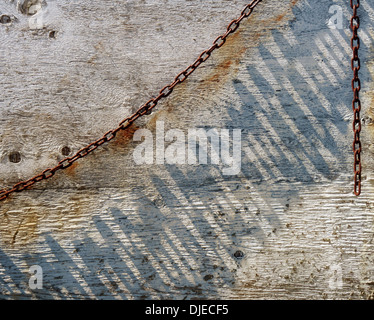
column 356, row 103
column 145, row 109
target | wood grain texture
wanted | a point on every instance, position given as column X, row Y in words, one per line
column 108, row 228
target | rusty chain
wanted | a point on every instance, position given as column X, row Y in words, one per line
column 356, row 103
column 145, row 109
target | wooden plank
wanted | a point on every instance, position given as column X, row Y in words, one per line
column 286, row 227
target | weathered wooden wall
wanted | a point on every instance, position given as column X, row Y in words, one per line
column 107, row 228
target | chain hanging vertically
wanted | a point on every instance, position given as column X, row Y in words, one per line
column 356, row 103
column 143, row 110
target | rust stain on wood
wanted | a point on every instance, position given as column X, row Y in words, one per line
column 19, row 229
column 71, row 170
column 236, row 47
column 281, row 16
column 223, row 68
column 228, row 59
column 125, row 136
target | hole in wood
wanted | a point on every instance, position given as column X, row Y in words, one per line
column 239, row 254
column 65, row 151
column 4, row 19
column 15, row 157
column 52, row 35
column 30, row 7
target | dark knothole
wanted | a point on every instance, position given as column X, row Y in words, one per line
column 4, row 19
column 15, row 157
column 65, row 151
column 239, row 254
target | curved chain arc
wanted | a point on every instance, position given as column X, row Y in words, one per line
column 145, row 109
